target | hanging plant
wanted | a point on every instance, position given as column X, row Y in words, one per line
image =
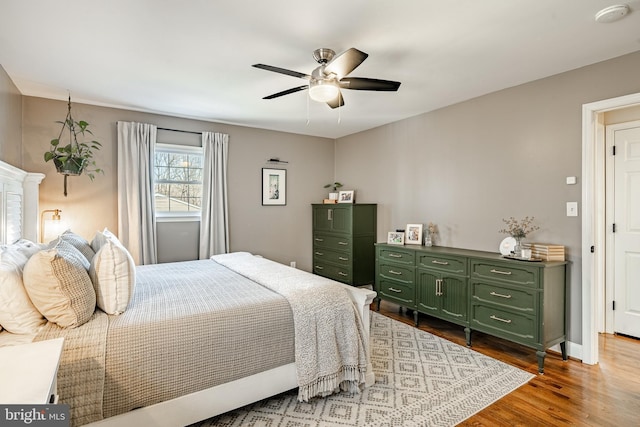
column 76, row 156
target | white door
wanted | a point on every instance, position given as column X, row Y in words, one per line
column 626, row 238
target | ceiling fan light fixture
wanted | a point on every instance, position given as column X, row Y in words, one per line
column 323, row 90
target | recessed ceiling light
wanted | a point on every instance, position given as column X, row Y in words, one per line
column 612, row 13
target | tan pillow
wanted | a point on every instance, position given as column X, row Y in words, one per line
column 113, row 275
column 18, row 315
column 101, row 238
column 59, row 285
column 78, row 242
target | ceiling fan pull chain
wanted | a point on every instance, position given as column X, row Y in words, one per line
column 339, row 107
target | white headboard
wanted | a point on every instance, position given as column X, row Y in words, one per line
column 19, row 193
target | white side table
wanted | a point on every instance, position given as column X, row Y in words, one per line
column 28, row 372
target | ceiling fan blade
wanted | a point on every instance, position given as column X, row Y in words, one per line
column 338, row 101
column 287, row 92
column 282, row 71
column 346, row 62
column 363, row 83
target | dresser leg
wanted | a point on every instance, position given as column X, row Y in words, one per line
column 378, row 301
column 415, row 318
column 541, row 355
column 467, row 334
column 563, row 349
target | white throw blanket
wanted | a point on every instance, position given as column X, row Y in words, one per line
column 331, row 351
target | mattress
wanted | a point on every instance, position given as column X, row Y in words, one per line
column 190, row 326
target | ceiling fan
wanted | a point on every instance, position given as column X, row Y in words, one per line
column 329, row 77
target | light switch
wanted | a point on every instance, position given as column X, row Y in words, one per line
column 572, row 208
column 571, row 180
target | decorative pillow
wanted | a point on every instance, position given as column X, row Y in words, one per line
column 101, row 238
column 59, row 285
column 113, row 274
column 78, row 242
column 18, row 315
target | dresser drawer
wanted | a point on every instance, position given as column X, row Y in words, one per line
column 399, row 255
column 340, row 273
column 514, row 272
column 503, row 323
column 519, row 299
column 443, row 263
column 401, row 293
column 399, row 273
column 321, row 255
column 332, row 242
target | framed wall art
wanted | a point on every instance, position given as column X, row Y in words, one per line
column 274, row 187
column 346, row 196
column 395, row 238
column 413, row 234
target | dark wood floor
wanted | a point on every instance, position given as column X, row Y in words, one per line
column 569, row 392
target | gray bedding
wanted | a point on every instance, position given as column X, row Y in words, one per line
column 190, row 326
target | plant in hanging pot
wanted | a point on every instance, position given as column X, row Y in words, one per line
column 77, row 156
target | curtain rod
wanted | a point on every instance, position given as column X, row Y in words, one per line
column 178, row 130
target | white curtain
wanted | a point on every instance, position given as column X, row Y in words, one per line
column 136, row 206
column 214, row 224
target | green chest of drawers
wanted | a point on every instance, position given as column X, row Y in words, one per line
column 519, row 301
column 343, row 242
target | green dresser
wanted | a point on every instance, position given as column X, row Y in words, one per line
column 343, row 242
column 519, row 301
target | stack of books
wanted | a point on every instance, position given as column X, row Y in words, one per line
column 546, row 252
column 329, row 201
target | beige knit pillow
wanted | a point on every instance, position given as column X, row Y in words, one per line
column 59, row 286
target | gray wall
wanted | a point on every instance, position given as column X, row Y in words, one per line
column 281, row 233
column 10, row 121
column 467, row 166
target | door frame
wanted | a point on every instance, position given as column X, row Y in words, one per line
column 593, row 219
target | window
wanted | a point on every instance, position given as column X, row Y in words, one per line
column 178, row 180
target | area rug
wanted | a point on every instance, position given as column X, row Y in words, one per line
column 421, row 380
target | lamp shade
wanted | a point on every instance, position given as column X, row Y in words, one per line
column 323, row 90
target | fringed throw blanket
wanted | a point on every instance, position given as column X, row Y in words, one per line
column 330, row 344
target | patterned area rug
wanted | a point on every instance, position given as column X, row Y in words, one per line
column 421, row 380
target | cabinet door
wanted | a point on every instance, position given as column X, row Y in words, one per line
column 454, row 298
column 341, row 222
column 322, row 218
column 428, row 300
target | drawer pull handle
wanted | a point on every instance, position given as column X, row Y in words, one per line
column 397, row 273
column 506, row 273
column 319, row 240
column 341, row 258
column 342, row 274
column 495, row 294
column 398, row 291
column 435, row 261
column 319, row 268
column 343, row 243
column 499, row 319
column 319, row 253
column 395, row 256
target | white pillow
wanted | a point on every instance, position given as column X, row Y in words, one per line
column 18, row 315
column 101, row 238
column 113, row 274
column 59, row 285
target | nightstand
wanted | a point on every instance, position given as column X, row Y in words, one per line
column 29, row 372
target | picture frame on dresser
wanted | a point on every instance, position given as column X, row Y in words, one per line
column 413, row 234
column 274, row 187
column 346, row 196
column 395, row 238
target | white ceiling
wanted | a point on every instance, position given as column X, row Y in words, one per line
column 193, row 58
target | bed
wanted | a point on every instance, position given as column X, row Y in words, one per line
column 165, row 359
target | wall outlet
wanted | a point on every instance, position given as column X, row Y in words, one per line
column 292, row 264
column 572, row 208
